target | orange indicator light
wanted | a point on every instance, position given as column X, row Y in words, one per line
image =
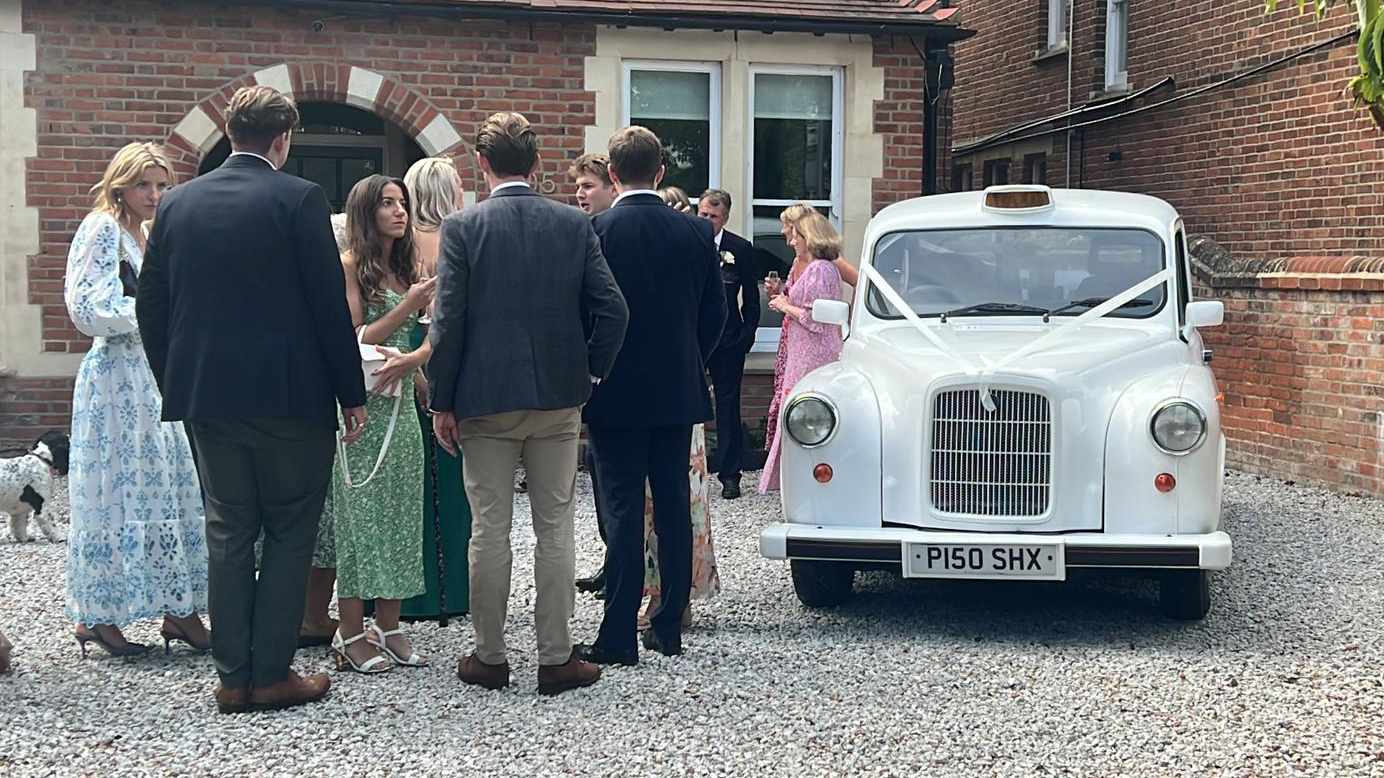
column 1164, row 482
column 822, row 473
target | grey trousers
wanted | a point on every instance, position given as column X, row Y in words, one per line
column 270, row 475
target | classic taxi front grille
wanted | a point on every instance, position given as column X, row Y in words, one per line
column 991, row 463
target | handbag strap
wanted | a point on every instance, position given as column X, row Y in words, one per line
column 384, row 448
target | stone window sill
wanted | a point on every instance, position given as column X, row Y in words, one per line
column 1056, row 51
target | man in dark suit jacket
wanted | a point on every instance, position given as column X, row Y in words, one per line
column 640, row 417
column 727, row 364
column 242, row 309
column 520, row 277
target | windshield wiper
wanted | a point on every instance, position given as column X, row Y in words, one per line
column 996, row 307
column 1091, row 302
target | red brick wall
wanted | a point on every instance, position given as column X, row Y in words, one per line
column 1276, row 164
column 899, row 118
column 1300, row 361
column 108, row 73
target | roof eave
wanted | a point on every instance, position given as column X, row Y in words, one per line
column 946, row 31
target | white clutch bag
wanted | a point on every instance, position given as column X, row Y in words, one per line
column 372, row 359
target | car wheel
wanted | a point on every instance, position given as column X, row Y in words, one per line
column 822, row 584
column 1185, row 594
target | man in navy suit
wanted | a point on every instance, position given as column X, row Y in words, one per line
column 641, row 415
column 727, row 365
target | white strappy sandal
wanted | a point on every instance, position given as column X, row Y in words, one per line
column 372, row 666
column 379, row 638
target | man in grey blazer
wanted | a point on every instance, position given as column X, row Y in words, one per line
column 527, row 318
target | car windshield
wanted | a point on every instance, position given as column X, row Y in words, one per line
column 1017, row 272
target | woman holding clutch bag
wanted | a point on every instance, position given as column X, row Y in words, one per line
column 377, row 490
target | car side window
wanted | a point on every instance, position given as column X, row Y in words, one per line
column 1184, row 281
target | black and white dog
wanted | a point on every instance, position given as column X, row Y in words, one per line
column 26, row 482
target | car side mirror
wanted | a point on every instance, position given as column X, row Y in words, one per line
column 1203, row 313
column 831, row 312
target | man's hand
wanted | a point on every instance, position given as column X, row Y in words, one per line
column 445, row 430
column 355, row 423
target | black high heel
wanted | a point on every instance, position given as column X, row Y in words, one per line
column 129, row 649
column 170, row 636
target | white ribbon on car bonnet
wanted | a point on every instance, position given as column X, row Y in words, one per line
column 894, row 299
column 1046, row 339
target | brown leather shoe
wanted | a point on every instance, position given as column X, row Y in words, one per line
column 473, row 671
column 291, row 691
column 576, row 673
column 232, row 699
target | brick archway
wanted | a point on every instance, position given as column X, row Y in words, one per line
column 203, row 127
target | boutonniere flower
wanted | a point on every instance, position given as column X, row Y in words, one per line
column 727, row 258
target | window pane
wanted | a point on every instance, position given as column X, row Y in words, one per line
column 778, row 96
column 1048, row 268
column 792, row 159
column 677, row 107
column 664, row 94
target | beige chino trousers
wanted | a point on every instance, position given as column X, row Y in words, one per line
column 492, row 447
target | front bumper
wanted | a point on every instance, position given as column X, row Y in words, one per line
column 884, row 545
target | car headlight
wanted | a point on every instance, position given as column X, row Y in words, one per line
column 1178, row 427
column 810, row 420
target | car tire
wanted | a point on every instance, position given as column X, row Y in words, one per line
column 822, row 584
column 1185, row 594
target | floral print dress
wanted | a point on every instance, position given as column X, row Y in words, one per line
column 138, row 544
column 706, row 581
column 379, row 526
column 804, row 346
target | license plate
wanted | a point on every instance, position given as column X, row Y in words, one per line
column 985, row 560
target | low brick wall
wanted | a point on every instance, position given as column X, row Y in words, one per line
column 31, row 406
column 1300, row 361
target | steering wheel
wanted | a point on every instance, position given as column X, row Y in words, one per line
column 940, row 294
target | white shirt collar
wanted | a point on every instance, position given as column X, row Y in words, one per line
column 509, row 185
column 257, row 156
column 718, row 238
column 633, row 192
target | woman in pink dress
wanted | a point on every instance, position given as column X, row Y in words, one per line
column 804, row 344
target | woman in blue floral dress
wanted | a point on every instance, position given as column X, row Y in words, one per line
column 138, row 547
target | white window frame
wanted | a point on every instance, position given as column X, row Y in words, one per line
column 767, row 338
column 1116, row 44
column 1057, row 23
column 714, row 109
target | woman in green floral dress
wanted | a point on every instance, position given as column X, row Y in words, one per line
column 377, row 489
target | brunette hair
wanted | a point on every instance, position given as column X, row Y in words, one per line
column 363, row 239
column 508, row 143
column 636, row 155
column 257, row 115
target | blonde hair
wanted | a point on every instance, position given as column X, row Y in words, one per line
column 433, row 184
column 821, row 238
column 674, row 196
column 125, row 170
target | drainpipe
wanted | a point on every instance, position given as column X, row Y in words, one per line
column 1071, row 53
column 939, row 76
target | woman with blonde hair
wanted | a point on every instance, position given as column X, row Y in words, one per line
column 436, row 191
column 804, row 343
column 435, row 186
column 138, row 544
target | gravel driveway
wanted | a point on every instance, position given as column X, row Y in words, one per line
column 911, row 678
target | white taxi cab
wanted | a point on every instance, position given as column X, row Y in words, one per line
column 1022, row 392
